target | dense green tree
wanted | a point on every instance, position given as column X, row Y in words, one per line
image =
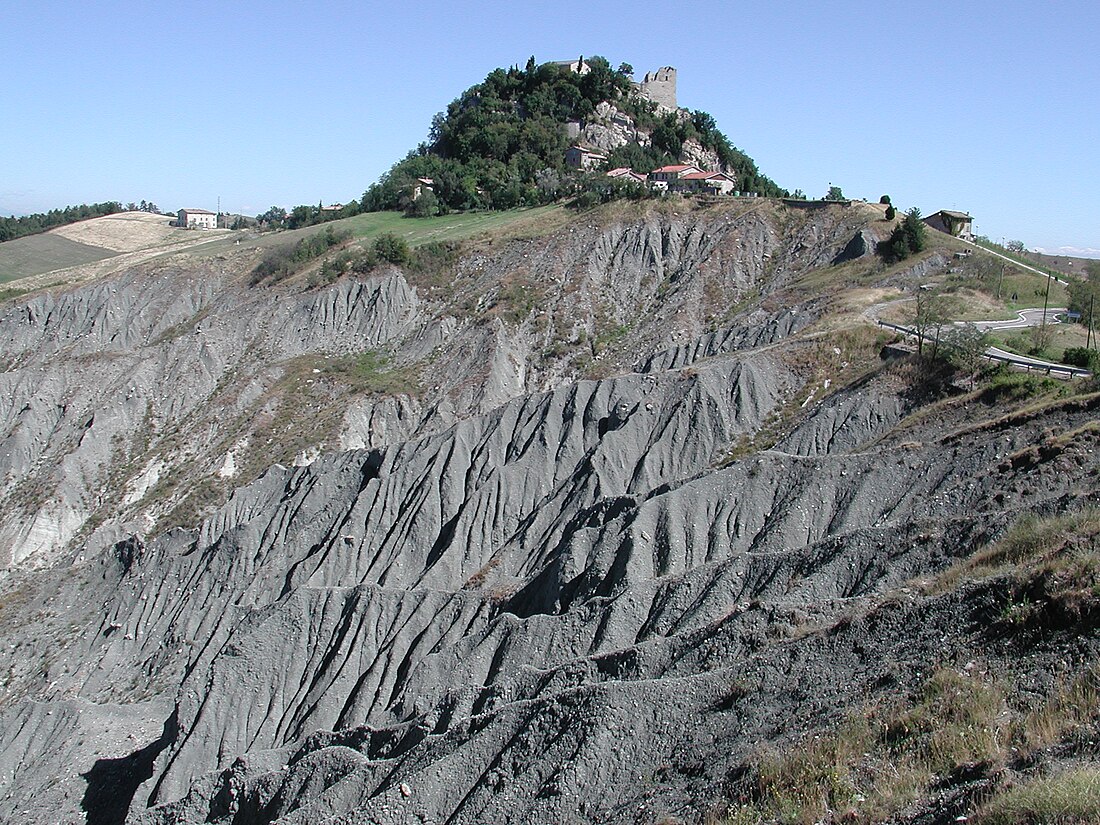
column 424, row 206
column 392, row 248
column 966, row 346
column 907, row 239
column 931, row 314
column 834, row 194
column 914, row 230
column 667, row 137
column 493, row 145
column 275, row 216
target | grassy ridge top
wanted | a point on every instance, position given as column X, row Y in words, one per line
column 414, row 231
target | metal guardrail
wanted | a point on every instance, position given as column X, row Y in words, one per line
column 1024, row 363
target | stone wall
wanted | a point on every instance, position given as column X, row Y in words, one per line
column 660, row 86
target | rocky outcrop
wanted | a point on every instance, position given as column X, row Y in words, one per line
column 607, row 128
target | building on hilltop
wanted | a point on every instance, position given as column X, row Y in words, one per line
column 582, row 157
column 578, row 66
column 959, row 224
column 197, row 219
column 659, row 86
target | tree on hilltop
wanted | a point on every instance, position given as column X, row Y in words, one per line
column 502, row 142
column 908, row 237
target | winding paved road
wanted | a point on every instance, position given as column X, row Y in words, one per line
column 1024, row 318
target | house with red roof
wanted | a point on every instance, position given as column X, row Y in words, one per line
column 709, row 183
column 662, row 178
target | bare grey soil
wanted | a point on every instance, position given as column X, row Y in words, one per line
column 552, row 585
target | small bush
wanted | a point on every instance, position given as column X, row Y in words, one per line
column 392, row 248
column 11, row 293
column 373, row 372
column 283, row 262
column 1006, row 385
column 1083, row 357
column 908, row 238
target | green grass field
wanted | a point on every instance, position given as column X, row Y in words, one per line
column 415, row 231
column 35, row 254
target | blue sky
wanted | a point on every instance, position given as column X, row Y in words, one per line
column 991, row 109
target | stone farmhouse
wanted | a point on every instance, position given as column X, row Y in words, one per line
column 579, row 66
column 706, row 183
column 583, row 157
column 197, row 219
column 959, row 224
column 666, row 177
column 689, row 179
column 420, row 186
column 623, row 173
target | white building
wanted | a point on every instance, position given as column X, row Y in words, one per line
column 197, row 219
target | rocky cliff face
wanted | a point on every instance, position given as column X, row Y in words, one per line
column 608, row 128
column 611, row 540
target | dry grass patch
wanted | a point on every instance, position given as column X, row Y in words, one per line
column 1033, row 549
column 958, row 726
column 1070, row 798
column 881, row 758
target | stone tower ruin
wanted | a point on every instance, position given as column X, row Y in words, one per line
column 660, row 86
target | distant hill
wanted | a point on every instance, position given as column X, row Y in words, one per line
column 13, row 227
column 127, row 236
column 1064, row 263
column 502, row 142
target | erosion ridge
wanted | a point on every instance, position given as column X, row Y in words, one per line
column 618, row 536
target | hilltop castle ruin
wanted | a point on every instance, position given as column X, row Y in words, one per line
column 659, row 86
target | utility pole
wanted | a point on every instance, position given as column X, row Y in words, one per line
column 1088, row 338
column 1000, row 281
column 1043, row 330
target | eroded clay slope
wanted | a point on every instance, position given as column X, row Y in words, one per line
column 530, row 595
